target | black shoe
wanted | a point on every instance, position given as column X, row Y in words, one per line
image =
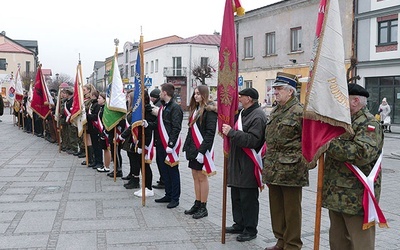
column 246, row 237
column 76, row 153
column 159, row 186
column 97, row 166
column 173, row 204
column 164, row 199
column 119, row 174
column 92, row 164
column 201, row 213
column 82, row 155
column 194, row 208
column 235, row 229
column 132, row 185
column 127, row 178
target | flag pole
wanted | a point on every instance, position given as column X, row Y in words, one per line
column 317, row 230
column 224, row 197
column 143, row 117
column 115, row 153
column 84, row 126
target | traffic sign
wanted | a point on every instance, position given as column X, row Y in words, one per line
column 148, row 81
column 240, row 81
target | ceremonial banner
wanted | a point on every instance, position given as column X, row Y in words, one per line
column 326, row 110
column 41, row 97
column 227, row 89
column 78, row 112
column 115, row 107
column 137, row 103
column 29, row 101
column 19, row 92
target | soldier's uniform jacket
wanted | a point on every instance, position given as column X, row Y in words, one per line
column 342, row 191
column 62, row 115
column 284, row 164
column 240, row 166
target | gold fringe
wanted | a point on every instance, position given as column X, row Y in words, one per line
column 383, row 225
column 314, row 116
column 313, row 163
column 210, row 174
column 171, row 164
column 372, row 223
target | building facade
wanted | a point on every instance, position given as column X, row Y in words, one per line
column 378, row 52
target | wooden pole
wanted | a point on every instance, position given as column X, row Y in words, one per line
column 85, row 135
column 143, row 117
column 317, row 230
column 224, row 195
column 115, row 153
column 59, row 139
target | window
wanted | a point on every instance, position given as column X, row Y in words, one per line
column 248, row 84
column 152, row 67
column 204, row 62
column 147, row 68
column 3, row 64
column 270, row 43
column 156, row 66
column 177, row 66
column 248, row 47
column 387, row 32
column 126, row 71
column 295, row 39
column 126, row 56
column 132, row 71
column 27, row 68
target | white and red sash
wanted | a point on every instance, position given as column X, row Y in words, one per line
column 372, row 212
column 148, row 158
column 173, row 158
column 208, row 165
column 256, row 157
column 67, row 113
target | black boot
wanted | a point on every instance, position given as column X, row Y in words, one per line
column 133, row 183
column 202, row 212
column 194, row 208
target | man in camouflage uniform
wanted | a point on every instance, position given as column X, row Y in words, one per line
column 284, row 170
column 342, row 191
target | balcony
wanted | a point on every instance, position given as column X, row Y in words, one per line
column 170, row 72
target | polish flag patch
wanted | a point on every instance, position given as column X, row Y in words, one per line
column 371, row 128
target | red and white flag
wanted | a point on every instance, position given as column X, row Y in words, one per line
column 78, row 112
column 227, row 89
column 326, row 110
column 19, row 92
column 41, row 98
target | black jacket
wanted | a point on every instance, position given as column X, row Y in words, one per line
column 92, row 116
column 1, row 105
column 172, row 117
column 207, row 126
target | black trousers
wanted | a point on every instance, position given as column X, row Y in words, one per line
column 245, row 208
column 135, row 160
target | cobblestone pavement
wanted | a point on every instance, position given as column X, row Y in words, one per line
column 48, row 200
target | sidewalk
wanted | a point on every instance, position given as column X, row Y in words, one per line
column 48, row 200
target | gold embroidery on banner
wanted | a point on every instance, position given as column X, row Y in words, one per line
column 339, row 96
column 227, row 79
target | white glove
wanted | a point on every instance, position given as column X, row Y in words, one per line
column 145, row 124
column 120, row 138
column 169, row 150
column 139, row 150
column 200, row 158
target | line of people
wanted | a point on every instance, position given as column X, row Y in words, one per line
column 276, row 140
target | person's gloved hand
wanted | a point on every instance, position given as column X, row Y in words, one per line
column 169, row 150
column 200, row 158
column 145, row 124
column 139, row 150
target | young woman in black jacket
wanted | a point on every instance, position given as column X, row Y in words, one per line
column 199, row 147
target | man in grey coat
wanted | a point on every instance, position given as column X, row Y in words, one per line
column 246, row 141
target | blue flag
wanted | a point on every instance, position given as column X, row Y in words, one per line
column 137, row 103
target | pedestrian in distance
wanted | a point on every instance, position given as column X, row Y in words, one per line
column 168, row 143
column 285, row 172
column 199, row 147
column 244, row 175
column 384, row 112
column 343, row 188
